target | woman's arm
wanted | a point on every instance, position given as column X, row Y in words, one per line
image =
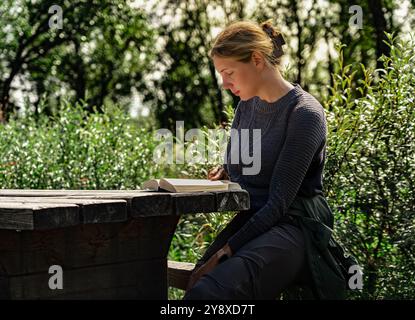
column 305, row 133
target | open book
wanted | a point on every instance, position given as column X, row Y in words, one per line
column 189, row 185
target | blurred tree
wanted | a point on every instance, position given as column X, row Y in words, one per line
column 365, row 45
column 188, row 88
column 106, row 48
column 302, row 23
column 100, row 52
column 307, row 24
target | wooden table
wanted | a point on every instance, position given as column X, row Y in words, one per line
column 110, row 244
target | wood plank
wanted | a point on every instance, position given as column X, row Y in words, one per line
column 85, row 245
column 91, row 210
column 147, row 277
column 178, row 274
column 234, row 200
column 139, row 203
column 195, row 202
column 158, row 203
column 64, row 192
column 153, row 204
column 145, row 204
column 40, row 216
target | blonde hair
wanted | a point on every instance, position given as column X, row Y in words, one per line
column 241, row 38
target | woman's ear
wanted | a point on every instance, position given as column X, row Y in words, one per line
column 258, row 60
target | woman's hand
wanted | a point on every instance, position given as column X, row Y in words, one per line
column 217, row 173
column 208, row 266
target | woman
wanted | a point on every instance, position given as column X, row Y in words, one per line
column 262, row 252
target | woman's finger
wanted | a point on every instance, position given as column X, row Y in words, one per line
column 214, row 171
column 215, row 177
column 211, row 173
column 219, row 174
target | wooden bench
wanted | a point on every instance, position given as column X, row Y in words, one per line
column 178, row 273
column 111, row 244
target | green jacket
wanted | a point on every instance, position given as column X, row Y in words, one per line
column 316, row 221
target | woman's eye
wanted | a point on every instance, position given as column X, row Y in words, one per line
column 229, row 74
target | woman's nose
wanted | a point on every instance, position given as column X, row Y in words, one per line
column 226, row 85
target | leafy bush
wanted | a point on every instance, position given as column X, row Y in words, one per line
column 75, row 150
column 370, row 172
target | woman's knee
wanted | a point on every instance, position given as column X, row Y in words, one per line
column 204, row 289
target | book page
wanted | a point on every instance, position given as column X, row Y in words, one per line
column 189, row 185
column 193, row 182
column 232, row 185
column 152, row 184
column 192, row 185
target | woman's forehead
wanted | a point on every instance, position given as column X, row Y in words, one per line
column 222, row 64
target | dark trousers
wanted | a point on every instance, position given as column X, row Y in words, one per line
column 261, row 269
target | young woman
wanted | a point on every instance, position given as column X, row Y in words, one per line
column 262, row 251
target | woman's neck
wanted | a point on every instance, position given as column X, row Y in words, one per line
column 274, row 86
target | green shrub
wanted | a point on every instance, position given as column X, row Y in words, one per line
column 370, row 171
column 75, row 150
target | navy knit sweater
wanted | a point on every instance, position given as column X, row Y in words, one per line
column 292, row 150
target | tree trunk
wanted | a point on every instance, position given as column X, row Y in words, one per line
column 299, row 55
column 380, row 25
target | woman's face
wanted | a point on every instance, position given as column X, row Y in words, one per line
column 241, row 78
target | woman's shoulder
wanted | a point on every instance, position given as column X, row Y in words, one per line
column 308, row 111
column 308, row 104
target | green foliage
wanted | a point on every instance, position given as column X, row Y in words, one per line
column 370, row 172
column 100, row 53
column 187, row 88
column 77, row 150
column 109, row 49
column 80, row 150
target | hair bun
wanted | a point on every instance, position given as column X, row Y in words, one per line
column 276, row 37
